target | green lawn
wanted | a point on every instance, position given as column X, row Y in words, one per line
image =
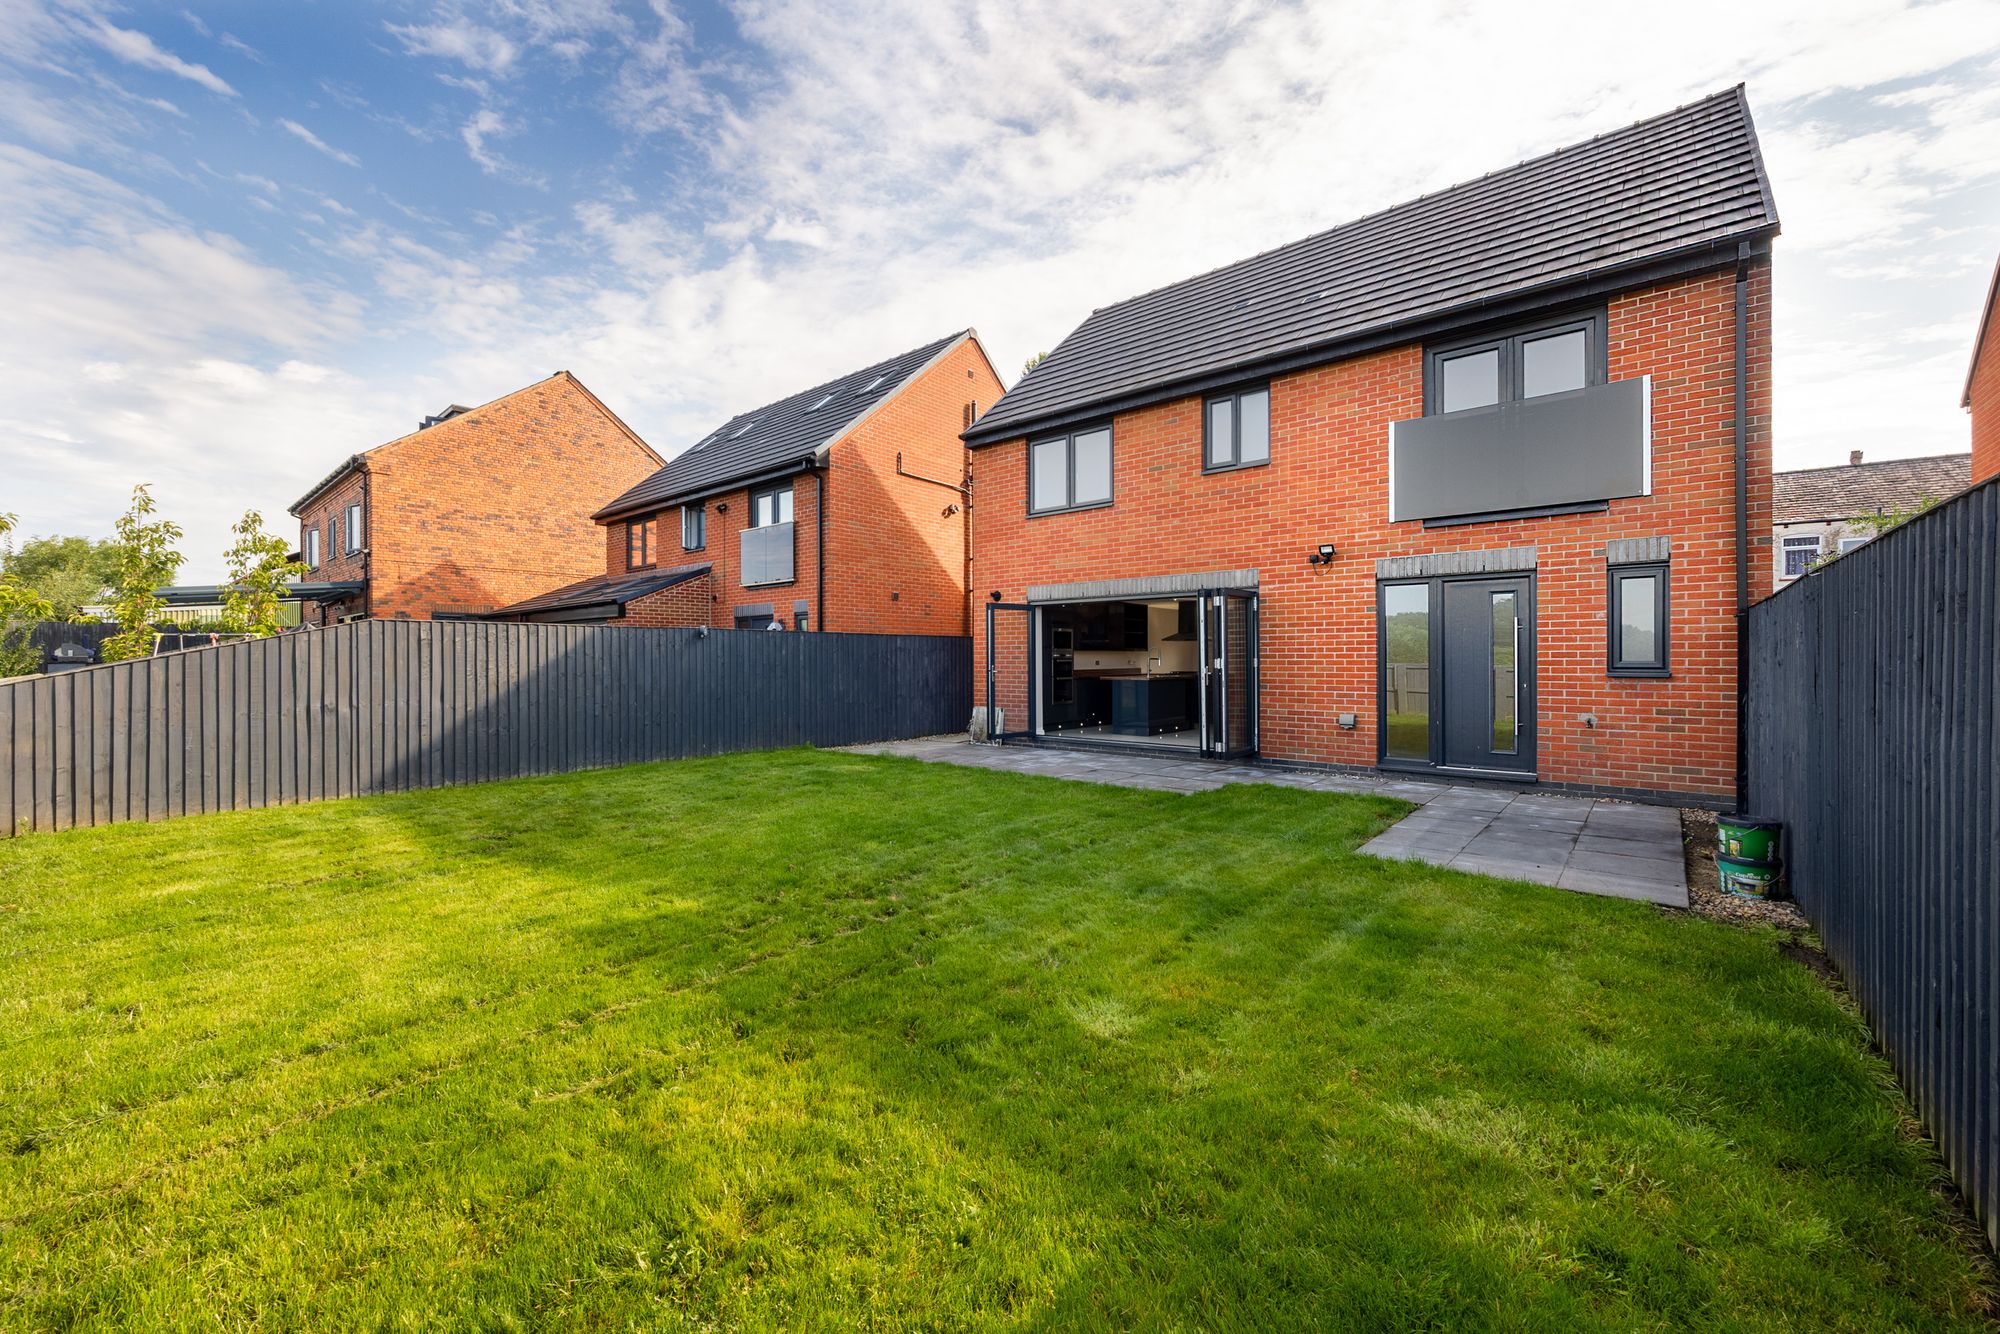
column 813, row 1041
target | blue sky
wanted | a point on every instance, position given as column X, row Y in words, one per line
column 239, row 242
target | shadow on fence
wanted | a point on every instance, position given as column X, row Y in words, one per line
column 1870, row 731
column 389, row 706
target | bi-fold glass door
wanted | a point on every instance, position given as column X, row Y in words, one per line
column 1228, row 655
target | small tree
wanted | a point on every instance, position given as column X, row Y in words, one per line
column 147, row 560
column 71, row 572
column 20, row 608
column 259, row 567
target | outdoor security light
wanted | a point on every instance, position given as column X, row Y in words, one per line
column 1323, row 556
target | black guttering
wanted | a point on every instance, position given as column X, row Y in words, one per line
column 1463, row 318
column 320, row 488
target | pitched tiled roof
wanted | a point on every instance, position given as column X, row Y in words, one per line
column 1815, row 495
column 614, row 590
column 1679, row 187
column 778, row 436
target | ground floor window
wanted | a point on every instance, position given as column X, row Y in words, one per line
column 1638, row 620
column 1799, row 554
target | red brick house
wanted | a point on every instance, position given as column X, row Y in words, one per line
column 1982, row 387
column 1476, row 485
column 840, row 507
column 476, row 508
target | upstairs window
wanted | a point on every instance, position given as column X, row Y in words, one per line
column 639, row 536
column 311, row 548
column 1237, row 429
column 354, row 530
column 332, row 536
column 1638, row 620
column 1548, row 358
column 770, row 507
column 1069, row 472
column 694, row 528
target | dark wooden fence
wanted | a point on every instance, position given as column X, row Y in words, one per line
column 387, row 706
column 1871, row 732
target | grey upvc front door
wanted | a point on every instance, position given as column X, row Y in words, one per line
column 1488, row 649
column 1458, row 674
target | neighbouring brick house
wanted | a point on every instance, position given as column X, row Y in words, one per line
column 476, row 508
column 837, row 508
column 1453, row 488
column 1982, row 387
column 1814, row 510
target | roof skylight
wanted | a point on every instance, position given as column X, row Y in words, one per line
column 872, row 383
column 824, row 399
column 744, row 427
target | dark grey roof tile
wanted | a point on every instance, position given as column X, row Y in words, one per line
column 1689, row 179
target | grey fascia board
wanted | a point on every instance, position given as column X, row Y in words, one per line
column 1712, row 254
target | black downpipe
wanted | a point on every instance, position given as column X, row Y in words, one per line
column 1742, row 529
column 819, row 524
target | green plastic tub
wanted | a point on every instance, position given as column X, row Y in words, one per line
column 1748, row 880
column 1747, row 838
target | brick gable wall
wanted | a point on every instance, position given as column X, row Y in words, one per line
column 489, row 507
column 1328, row 482
column 895, row 558
column 1985, row 405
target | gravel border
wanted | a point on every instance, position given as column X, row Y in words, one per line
column 1705, row 896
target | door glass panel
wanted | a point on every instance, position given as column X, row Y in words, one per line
column 1553, row 364
column 1221, row 434
column 1469, row 381
column 1093, row 467
column 1253, row 427
column 1049, row 462
column 1506, row 679
column 1638, row 618
column 1406, row 655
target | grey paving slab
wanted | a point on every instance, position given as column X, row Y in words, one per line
column 1587, row 844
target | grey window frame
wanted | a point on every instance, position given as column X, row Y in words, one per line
column 354, row 526
column 1614, row 620
column 1234, row 397
column 642, row 529
column 332, row 536
column 1068, row 439
column 700, row 514
column 1507, row 342
column 763, row 491
column 311, row 547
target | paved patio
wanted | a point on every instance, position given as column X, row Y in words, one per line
column 1586, row 844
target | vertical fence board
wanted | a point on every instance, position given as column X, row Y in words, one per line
column 385, row 706
column 1871, row 725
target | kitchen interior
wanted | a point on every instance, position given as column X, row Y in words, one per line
column 1123, row 671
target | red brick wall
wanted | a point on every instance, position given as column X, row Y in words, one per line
column 682, row 605
column 1328, row 482
column 728, row 516
column 895, row 558
column 336, row 565
column 493, row 505
column 1985, row 395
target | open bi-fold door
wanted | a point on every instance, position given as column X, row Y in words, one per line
column 1010, row 670
column 1228, row 654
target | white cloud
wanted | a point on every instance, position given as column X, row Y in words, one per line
column 317, row 144
column 136, row 48
column 457, row 39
